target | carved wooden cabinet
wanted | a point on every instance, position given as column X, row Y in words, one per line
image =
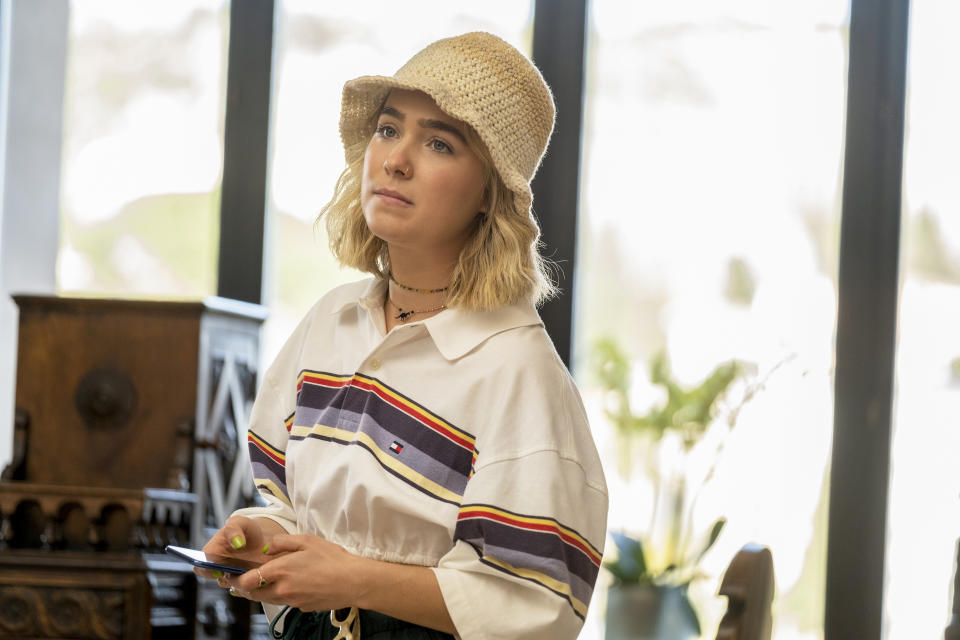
column 130, row 434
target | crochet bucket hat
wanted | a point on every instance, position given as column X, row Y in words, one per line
column 479, row 79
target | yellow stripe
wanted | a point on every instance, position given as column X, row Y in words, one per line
column 393, row 394
column 544, row 521
column 274, row 490
column 263, row 444
column 386, row 459
column 323, row 376
column 417, row 408
column 544, row 579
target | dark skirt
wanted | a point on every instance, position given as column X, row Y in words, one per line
column 316, row 625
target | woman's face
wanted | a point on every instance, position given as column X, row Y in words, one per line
column 422, row 184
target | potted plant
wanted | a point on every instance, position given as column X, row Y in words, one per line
column 648, row 598
column 650, row 604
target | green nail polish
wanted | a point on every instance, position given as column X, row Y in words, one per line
column 266, row 548
column 237, row 542
column 218, row 574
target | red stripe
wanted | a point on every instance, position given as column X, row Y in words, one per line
column 277, row 458
column 535, row 527
column 466, row 444
column 322, row 381
column 367, row 386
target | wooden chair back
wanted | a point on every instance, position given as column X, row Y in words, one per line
column 748, row 584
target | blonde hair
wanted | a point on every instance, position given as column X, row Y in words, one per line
column 499, row 264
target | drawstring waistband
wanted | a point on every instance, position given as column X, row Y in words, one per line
column 348, row 623
column 344, row 624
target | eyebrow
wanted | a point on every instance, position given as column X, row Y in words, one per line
column 426, row 123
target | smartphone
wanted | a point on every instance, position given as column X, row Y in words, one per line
column 200, row 559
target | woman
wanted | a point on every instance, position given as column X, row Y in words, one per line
column 423, row 452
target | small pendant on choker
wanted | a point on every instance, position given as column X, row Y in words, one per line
column 403, row 316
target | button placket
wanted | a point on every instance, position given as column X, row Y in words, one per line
column 376, row 357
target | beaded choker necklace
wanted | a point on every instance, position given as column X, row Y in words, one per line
column 416, row 290
column 404, row 315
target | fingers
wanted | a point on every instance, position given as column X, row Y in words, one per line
column 241, row 533
column 252, row 585
column 240, row 537
column 210, row 574
column 285, row 543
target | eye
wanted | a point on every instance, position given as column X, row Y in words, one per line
column 386, row 131
column 439, row 145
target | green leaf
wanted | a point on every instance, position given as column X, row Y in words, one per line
column 618, row 573
column 714, row 534
column 631, row 564
column 611, row 365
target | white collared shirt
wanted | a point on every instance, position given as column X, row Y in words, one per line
column 458, row 443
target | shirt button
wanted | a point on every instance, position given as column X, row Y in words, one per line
column 375, row 364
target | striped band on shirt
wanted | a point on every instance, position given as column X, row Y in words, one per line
column 407, row 440
column 534, row 548
column 269, row 466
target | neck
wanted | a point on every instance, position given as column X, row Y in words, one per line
column 414, row 300
column 420, row 269
column 426, row 277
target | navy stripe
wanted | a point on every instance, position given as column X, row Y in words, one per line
column 537, row 582
column 392, row 472
column 532, row 544
column 266, row 468
column 559, row 524
column 403, row 426
column 410, row 456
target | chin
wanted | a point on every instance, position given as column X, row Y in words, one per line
column 390, row 231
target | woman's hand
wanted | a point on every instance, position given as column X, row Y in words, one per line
column 306, row 572
column 241, row 537
column 312, row 574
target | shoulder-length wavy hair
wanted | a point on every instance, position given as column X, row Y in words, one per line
column 499, row 265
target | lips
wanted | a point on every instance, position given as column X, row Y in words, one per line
column 392, row 195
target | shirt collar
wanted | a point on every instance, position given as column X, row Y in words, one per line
column 456, row 332
column 369, row 298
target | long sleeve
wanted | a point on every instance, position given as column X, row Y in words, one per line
column 269, row 430
column 266, row 442
column 529, row 534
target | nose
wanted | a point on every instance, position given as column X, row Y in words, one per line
column 397, row 162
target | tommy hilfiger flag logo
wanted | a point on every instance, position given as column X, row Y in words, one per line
column 396, row 447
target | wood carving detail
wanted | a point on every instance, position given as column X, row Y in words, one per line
column 60, row 613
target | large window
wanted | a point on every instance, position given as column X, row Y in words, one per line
column 924, row 511
column 143, row 148
column 709, row 232
column 320, row 46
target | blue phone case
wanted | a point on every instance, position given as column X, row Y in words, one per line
column 199, row 559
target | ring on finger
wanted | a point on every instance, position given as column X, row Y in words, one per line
column 262, row 582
